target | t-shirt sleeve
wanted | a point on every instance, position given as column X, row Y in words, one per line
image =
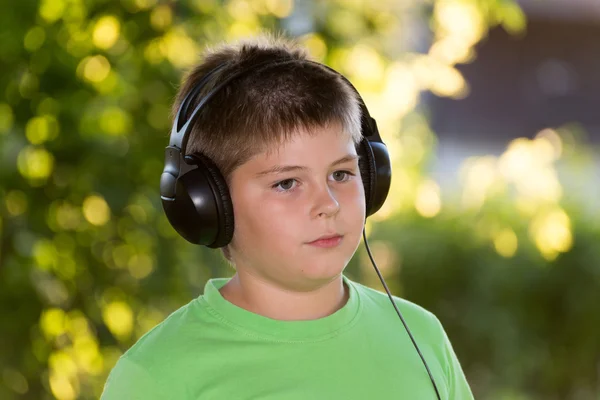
column 128, row 380
column 458, row 387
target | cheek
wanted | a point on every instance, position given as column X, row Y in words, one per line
column 354, row 200
column 266, row 221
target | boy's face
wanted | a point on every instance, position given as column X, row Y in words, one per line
column 278, row 214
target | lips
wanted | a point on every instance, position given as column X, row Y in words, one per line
column 327, row 236
column 327, row 241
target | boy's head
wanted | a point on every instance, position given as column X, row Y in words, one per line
column 294, row 114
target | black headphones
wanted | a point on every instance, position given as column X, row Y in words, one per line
column 195, row 195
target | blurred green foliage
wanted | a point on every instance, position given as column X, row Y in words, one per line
column 88, row 262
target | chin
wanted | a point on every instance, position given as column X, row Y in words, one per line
column 323, row 269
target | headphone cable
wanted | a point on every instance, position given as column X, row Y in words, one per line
column 400, row 315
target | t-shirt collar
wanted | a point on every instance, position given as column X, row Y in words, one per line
column 276, row 330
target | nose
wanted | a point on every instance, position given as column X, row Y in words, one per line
column 326, row 203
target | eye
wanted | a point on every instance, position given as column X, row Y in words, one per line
column 342, row 174
column 285, row 185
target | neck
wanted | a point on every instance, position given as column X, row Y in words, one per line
column 279, row 303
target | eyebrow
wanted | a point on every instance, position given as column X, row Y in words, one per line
column 278, row 169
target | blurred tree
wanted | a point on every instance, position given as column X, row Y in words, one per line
column 88, row 262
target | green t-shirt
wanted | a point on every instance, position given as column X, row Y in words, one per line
column 212, row 349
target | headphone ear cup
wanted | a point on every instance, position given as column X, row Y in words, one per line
column 383, row 175
column 376, row 173
column 193, row 212
column 223, row 202
column 202, row 211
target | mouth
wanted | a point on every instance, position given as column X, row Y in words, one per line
column 327, row 241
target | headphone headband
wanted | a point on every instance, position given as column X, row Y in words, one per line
column 180, row 134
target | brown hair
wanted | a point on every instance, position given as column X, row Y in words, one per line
column 265, row 106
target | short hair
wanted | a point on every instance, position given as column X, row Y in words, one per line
column 263, row 107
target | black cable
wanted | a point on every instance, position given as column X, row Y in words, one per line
column 400, row 315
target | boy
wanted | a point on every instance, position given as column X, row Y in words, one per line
column 288, row 324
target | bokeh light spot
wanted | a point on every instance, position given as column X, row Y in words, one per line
column 118, row 317
column 94, row 68
column 316, row 45
column 140, row 266
column 551, row 136
column 45, row 254
column 506, row 243
column 428, row 202
column 51, row 10
column 115, row 121
column 106, row 32
column 365, row 64
column 62, row 388
column 280, row 8
column 40, row 129
column 68, row 216
column 448, row 82
column 145, row 4
column 53, row 322
column 34, row 38
column 35, row 163
column 161, row 17
column 87, row 355
column 16, row 202
column 179, row 48
column 96, row 210
column 551, row 231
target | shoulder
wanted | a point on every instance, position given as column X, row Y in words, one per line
column 428, row 332
column 132, row 381
column 417, row 317
column 160, row 338
column 154, row 357
column 376, row 297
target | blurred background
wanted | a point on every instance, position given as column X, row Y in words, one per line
column 488, row 107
